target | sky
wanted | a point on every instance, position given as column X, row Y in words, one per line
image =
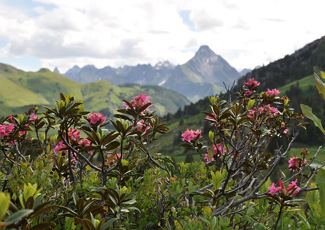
column 64, row 33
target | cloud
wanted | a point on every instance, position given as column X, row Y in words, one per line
column 106, row 32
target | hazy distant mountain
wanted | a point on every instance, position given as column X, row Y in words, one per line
column 245, row 71
column 201, row 76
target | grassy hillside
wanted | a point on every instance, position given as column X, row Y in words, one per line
column 171, row 141
column 103, row 96
column 303, row 84
column 20, row 90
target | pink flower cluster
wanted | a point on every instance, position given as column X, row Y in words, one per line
column 96, row 118
column 248, row 93
column 59, row 147
column 140, row 100
column 73, row 134
column 84, row 142
column 32, row 117
column 191, row 135
column 218, row 151
column 252, row 83
column 271, row 110
column 6, row 129
column 142, row 127
column 295, row 163
column 272, row 92
column 266, row 109
column 207, row 159
column 292, row 189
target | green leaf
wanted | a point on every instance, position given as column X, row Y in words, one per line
column 211, row 135
column 307, row 112
column 320, row 85
column 17, row 216
column 4, row 204
column 217, row 178
column 321, row 185
column 250, row 103
column 30, row 190
column 129, row 202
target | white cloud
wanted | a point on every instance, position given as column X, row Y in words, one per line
column 106, row 32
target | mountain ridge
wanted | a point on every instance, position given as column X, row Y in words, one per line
column 203, row 75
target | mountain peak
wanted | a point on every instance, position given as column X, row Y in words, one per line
column 205, row 51
column 163, row 64
column 211, row 67
column 56, row 70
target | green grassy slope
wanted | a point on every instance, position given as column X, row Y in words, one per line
column 303, row 84
column 20, row 90
column 170, row 142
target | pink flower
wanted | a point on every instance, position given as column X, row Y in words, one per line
column 59, row 147
column 293, row 189
column 139, row 101
column 22, row 133
column 273, row 190
column 6, row 129
column 142, row 127
column 190, row 135
column 207, row 159
column 251, row 83
column 219, row 149
column 84, row 142
column 261, row 109
column 96, row 118
column 11, row 118
column 251, row 114
column 248, row 93
column 285, row 131
column 272, row 92
column 271, row 110
column 73, row 134
column 294, row 163
column 274, row 111
column 33, row 117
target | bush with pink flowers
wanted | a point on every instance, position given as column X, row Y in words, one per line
column 66, row 168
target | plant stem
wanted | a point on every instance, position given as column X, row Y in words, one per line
column 279, row 217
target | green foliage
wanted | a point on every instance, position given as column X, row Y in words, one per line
column 66, row 168
column 4, row 204
column 307, row 112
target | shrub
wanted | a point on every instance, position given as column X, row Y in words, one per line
column 66, row 168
